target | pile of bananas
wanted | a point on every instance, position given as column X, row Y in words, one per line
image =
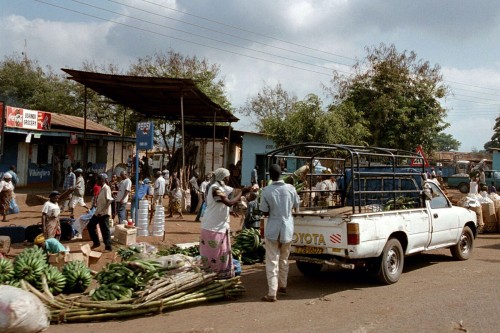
column 128, row 253
column 111, row 292
column 248, row 246
column 7, row 272
column 56, row 281
column 131, row 275
column 191, row 251
column 30, row 265
column 78, row 277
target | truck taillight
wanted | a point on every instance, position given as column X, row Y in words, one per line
column 352, row 234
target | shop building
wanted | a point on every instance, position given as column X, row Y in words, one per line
column 36, row 142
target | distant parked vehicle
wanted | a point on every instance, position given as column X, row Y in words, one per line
column 461, row 181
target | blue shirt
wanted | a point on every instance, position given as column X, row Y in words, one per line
column 52, row 245
column 278, row 199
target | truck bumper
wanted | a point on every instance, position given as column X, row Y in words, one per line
column 331, row 261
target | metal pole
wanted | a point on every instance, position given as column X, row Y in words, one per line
column 85, row 129
column 213, row 144
column 123, row 131
column 183, row 140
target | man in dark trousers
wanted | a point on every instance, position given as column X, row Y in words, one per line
column 101, row 215
column 277, row 201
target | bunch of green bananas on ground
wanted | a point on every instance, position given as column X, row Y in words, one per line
column 56, row 281
column 6, row 271
column 78, row 276
column 30, row 264
column 127, row 253
column 191, row 251
column 248, row 246
column 111, row 292
column 129, row 274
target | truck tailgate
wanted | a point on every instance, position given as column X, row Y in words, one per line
column 317, row 235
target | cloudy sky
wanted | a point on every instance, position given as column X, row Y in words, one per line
column 258, row 42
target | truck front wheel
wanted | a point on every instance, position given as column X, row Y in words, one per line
column 463, row 249
column 463, row 187
column 308, row 268
column 391, row 263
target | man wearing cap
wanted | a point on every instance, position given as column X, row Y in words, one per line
column 159, row 188
column 122, row 196
column 50, row 216
column 50, row 245
column 277, row 201
column 78, row 193
column 66, row 162
column 101, row 215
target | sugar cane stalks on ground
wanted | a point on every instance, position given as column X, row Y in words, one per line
column 185, row 288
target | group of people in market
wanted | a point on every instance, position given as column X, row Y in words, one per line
column 212, row 199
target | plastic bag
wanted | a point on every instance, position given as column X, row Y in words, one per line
column 13, row 207
column 80, row 223
column 21, row 311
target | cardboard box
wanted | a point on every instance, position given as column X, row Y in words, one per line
column 86, row 236
column 4, row 244
column 125, row 236
column 84, row 253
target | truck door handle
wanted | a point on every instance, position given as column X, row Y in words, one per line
column 435, row 215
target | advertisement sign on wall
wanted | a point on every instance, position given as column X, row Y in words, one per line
column 27, row 119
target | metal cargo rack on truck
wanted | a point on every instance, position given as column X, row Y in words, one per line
column 367, row 177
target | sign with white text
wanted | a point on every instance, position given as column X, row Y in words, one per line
column 144, row 135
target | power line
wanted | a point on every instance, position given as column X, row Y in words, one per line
column 224, row 33
column 181, row 39
column 232, row 44
column 249, row 31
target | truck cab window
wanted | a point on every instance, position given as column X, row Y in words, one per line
column 438, row 199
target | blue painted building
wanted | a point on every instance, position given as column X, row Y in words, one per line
column 254, row 148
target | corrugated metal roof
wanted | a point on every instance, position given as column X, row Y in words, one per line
column 67, row 122
column 155, row 97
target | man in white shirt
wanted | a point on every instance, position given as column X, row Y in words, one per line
column 122, row 196
column 101, row 215
column 78, row 192
column 159, row 188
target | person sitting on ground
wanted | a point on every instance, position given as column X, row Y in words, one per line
column 50, row 245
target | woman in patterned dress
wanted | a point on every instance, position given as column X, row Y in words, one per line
column 6, row 193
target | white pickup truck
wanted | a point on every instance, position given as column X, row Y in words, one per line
column 380, row 210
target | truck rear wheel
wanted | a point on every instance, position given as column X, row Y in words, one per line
column 391, row 263
column 308, row 268
column 463, row 249
column 463, row 187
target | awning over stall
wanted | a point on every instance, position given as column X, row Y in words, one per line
column 155, row 97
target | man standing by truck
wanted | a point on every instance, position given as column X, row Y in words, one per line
column 278, row 200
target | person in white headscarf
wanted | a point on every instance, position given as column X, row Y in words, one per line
column 215, row 243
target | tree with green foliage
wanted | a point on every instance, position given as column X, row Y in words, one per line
column 398, row 95
column 24, row 83
column 270, row 105
column 446, row 142
column 495, row 138
column 175, row 65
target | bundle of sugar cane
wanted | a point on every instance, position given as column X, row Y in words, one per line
column 185, row 288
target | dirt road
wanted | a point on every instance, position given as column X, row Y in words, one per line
column 435, row 294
